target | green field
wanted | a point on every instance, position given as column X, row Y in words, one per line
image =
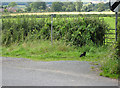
column 111, row 22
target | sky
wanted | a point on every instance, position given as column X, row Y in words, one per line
column 47, row 0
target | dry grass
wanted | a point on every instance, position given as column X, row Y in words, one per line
column 62, row 13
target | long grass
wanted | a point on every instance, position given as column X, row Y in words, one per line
column 43, row 50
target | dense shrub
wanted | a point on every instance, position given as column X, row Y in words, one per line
column 118, row 42
column 76, row 30
column 118, row 46
column 80, row 31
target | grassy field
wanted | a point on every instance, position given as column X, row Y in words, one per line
column 111, row 22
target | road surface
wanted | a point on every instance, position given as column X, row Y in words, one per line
column 25, row 72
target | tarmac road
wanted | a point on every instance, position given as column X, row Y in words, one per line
column 25, row 72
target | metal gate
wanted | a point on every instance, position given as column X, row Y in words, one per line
column 110, row 36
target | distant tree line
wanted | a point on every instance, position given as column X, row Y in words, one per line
column 36, row 6
column 55, row 7
column 96, row 7
column 67, row 6
column 77, row 6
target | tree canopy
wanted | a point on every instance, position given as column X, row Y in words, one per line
column 12, row 4
column 57, row 6
column 36, row 6
column 77, row 6
column 67, row 6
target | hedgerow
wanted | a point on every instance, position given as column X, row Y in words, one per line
column 118, row 42
column 77, row 31
column 118, row 46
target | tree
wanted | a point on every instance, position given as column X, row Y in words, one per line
column 12, row 4
column 101, row 7
column 88, row 7
column 36, row 6
column 28, row 8
column 5, row 10
column 39, row 5
column 68, row 6
column 63, row 8
column 71, row 7
column 78, row 5
column 96, row 7
column 57, row 6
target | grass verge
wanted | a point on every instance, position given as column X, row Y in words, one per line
column 44, row 51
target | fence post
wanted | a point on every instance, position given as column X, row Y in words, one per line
column 116, row 26
column 51, row 28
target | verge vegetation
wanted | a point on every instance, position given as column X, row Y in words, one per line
column 77, row 31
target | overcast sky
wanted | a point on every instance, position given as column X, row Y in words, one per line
column 47, row 0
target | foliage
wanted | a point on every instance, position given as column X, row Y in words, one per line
column 78, row 5
column 88, row 7
column 67, row 6
column 36, row 6
column 101, row 7
column 23, row 32
column 81, row 31
column 109, row 63
column 12, row 4
column 96, row 7
column 76, row 31
column 118, row 42
column 56, row 6
column 5, row 10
